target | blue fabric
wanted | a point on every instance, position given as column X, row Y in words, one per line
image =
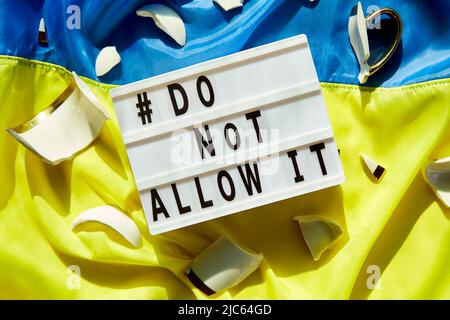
column 146, row 51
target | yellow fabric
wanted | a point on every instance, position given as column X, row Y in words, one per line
column 396, row 224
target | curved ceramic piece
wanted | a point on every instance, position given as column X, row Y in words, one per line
column 65, row 127
column 375, row 169
column 107, row 59
column 166, row 19
column 228, row 5
column 113, row 218
column 320, row 233
column 437, row 175
column 222, row 265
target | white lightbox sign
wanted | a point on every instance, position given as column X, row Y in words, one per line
column 228, row 135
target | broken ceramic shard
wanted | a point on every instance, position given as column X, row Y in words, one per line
column 113, row 218
column 437, row 175
column 42, row 38
column 228, row 5
column 320, row 233
column 222, row 265
column 375, row 169
column 166, row 19
column 357, row 30
column 65, row 127
column 107, row 59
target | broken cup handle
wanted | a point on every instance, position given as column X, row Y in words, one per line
column 388, row 54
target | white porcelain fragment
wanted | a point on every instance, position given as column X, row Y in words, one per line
column 107, row 59
column 166, row 19
column 64, row 128
column 320, row 233
column 357, row 30
column 375, row 169
column 113, row 218
column 42, row 38
column 437, row 175
column 228, row 5
column 222, row 265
